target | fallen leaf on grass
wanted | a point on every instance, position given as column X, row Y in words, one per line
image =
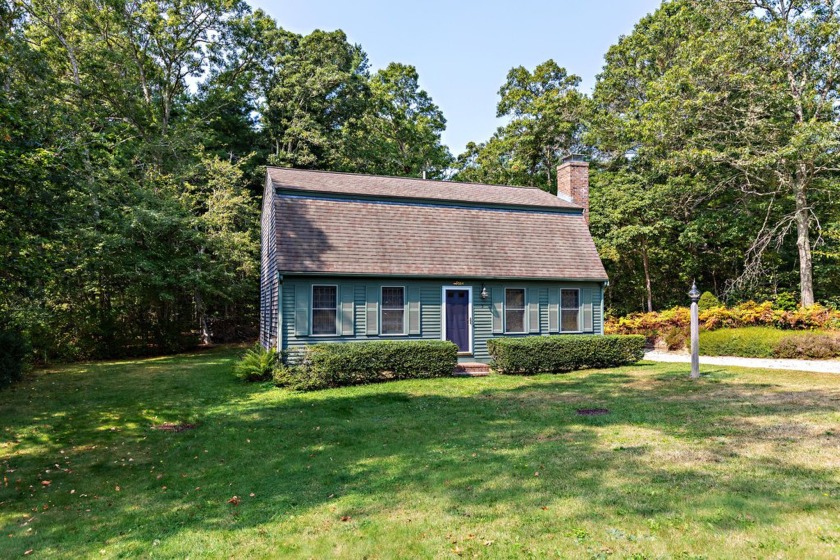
column 234, row 501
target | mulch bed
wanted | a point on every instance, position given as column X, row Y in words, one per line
column 169, row 427
column 592, row 411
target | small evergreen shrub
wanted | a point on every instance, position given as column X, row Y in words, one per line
column 562, row 353
column 257, row 364
column 786, row 301
column 320, row 366
column 708, row 301
column 14, row 350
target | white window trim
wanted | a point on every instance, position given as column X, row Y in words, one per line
column 524, row 310
column 405, row 315
column 579, row 310
column 469, row 290
column 312, row 310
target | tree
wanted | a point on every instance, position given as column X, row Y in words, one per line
column 546, row 113
column 400, row 133
column 754, row 100
column 317, row 88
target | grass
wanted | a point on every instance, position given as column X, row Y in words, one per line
column 746, row 342
column 742, row 464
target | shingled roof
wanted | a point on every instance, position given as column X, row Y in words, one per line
column 351, row 224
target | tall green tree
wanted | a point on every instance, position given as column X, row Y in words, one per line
column 546, row 113
column 754, row 100
column 400, row 132
column 317, row 89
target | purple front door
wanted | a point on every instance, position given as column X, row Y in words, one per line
column 458, row 318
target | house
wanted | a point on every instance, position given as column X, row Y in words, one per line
column 348, row 257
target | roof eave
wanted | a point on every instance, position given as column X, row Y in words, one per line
column 454, row 277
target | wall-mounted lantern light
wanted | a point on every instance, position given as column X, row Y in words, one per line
column 484, row 294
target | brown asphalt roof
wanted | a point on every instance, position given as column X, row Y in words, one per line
column 402, row 187
column 317, row 234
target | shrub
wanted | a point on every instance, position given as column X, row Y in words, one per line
column 708, row 301
column 814, row 346
column 319, row 366
column 750, row 342
column 562, row 353
column 14, row 350
column 655, row 325
column 675, row 338
column 786, row 301
column 257, row 364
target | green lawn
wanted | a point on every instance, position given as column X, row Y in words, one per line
column 743, row 464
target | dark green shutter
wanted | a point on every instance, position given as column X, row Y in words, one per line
column 414, row 310
column 498, row 297
column 302, row 310
column 372, row 311
column 554, row 310
column 586, row 306
column 347, row 311
column 533, row 310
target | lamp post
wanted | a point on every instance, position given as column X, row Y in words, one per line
column 694, row 294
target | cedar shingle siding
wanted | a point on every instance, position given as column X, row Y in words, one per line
column 360, row 233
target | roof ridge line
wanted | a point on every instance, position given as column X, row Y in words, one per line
column 324, row 171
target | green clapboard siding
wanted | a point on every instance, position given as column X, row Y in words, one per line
column 358, row 310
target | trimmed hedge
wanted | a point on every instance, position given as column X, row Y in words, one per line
column 320, row 366
column 766, row 342
column 14, row 350
column 747, row 342
column 562, row 353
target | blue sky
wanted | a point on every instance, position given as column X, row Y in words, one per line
column 463, row 50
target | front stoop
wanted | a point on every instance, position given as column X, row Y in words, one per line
column 471, row 369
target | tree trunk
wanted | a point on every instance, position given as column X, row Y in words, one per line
column 803, row 242
column 646, row 265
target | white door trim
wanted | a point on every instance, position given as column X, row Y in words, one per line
column 469, row 291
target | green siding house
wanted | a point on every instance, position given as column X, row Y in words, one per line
column 349, row 257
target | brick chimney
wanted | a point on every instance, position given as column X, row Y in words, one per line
column 573, row 182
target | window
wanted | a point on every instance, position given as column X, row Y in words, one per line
column 570, row 310
column 515, row 310
column 393, row 310
column 324, row 309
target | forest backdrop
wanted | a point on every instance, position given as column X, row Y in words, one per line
column 134, row 135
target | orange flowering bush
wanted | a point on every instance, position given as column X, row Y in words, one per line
column 749, row 314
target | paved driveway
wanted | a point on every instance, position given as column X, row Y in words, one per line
column 821, row 366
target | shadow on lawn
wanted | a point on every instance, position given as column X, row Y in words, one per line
column 369, row 450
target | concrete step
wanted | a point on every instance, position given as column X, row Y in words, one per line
column 471, row 369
